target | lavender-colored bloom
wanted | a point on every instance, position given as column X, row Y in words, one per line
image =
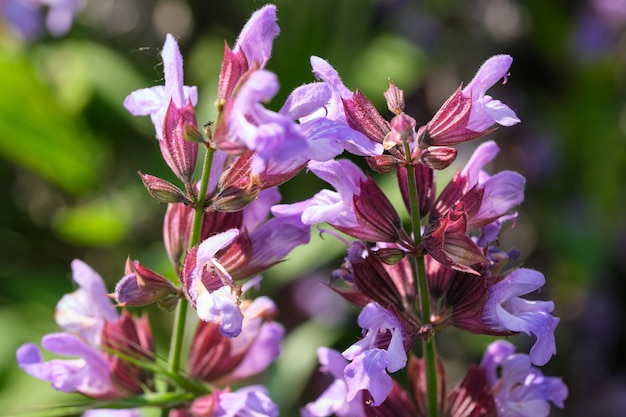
column 379, row 352
column 26, row 16
column 333, row 400
column 520, row 389
column 256, row 37
column 352, row 141
column 505, row 310
column 325, row 72
column 154, row 101
column 485, row 111
column 328, row 136
column 256, row 213
column 273, row 240
column 252, row 401
column 277, row 138
column 23, row 16
column 259, row 339
column 221, row 304
column 501, row 192
column 89, row 374
column 61, row 14
column 82, row 314
column 85, row 311
column 272, row 135
column 334, row 207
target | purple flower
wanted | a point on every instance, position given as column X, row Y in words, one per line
column 251, row 52
column 469, row 113
column 327, row 135
column 26, row 16
column 141, row 286
column 379, row 352
column 334, row 207
column 256, row 38
column 355, row 142
column 210, row 286
column 485, row 110
column 23, row 16
column 88, row 375
column 85, row 311
column 325, row 72
column 251, row 126
column 520, row 390
column 272, row 242
column 61, row 14
column 259, row 341
column 333, row 399
column 83, row 315
column 500, row 192
column 276, row 137
column 221, row 360
column 154, row 101
column 250, row 401
column 505, row 310
column 261, row 245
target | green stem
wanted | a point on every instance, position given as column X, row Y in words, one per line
column 421, row 284
column 178, row 327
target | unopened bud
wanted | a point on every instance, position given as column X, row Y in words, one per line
column 446, row 240
column 402, row 131
column 383, row 164
column 237, row 187
column 162, row 190
column 390, row 256
column 438, row 157
column 395, row 98
column 142, row 286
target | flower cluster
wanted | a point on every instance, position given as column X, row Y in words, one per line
column 224, row 226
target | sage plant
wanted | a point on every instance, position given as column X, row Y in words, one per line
column 225, row 225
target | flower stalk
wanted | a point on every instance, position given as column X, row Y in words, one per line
column 178, row 327
column 419, row 268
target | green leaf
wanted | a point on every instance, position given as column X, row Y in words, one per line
column 38, row 133
column 93, row 224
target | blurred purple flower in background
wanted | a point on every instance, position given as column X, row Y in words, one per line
column 520, row 389
column 26, row 17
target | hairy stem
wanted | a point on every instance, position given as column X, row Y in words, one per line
column 421, row 284
column 178, row 328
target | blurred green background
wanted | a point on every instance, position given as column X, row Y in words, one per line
column 70, row 153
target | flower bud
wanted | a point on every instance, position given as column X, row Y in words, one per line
column 402, row 131
column 162, row 190
column 142, row 286
column 383, row 164
column 395, row 99
column 446, row 241
column 438, row 157
column 237, row 187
